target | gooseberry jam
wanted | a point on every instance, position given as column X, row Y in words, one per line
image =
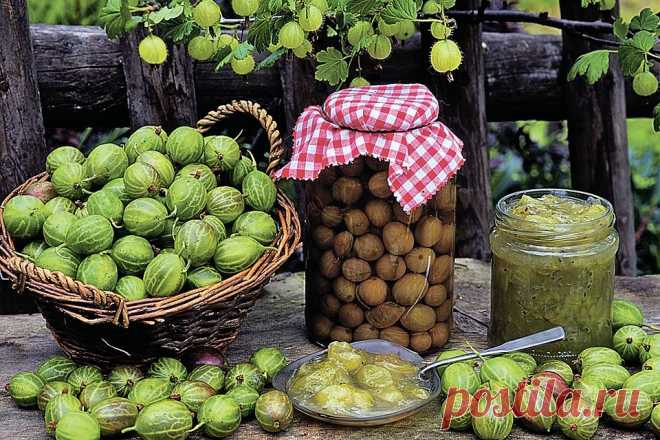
column 553, row 264
column 353, row 382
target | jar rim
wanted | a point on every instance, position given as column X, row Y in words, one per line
column 522, row 226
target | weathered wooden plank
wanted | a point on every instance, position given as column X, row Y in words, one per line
column 80, row 76
column 597, row 136
column 82, row 81
column 22, row 144
column 465, row 113
column 158, row 95
column 277, row 319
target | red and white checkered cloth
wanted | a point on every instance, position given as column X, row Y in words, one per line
column 395, row 122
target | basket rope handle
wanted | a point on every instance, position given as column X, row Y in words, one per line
column 277, row 148
column 85, row 291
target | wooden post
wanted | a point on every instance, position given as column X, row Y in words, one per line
column 597, row 136
column 463, row 109
column 158, row 95
column 299, row 88
column 22, row 146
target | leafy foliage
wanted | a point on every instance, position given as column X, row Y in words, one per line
column 398, row 10
column 116, row 18
column 592, row 65
column 336, row 53
column 636, row 54
column 332, row 68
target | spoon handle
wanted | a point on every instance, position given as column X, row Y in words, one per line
column 545, row 337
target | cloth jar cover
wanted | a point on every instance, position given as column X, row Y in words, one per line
column 395, row 122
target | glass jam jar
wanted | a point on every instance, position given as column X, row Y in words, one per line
column 553, row 265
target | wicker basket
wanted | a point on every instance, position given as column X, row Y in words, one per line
column 93, row 326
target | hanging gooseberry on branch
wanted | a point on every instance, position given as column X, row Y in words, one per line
column 430, row 7
column 645, row 84
column 445, row 56
column 152, row 49
column 310, row 18
column 321, row 4
column 359, row 81
column 206, row 13
column 245, row 8
column 291, row 35
column 302, row 50
column 244, row 66
column 360, row 30
column 440, row 30
column 380, row 47
column 225, row 40
column 406, row 30
column 201, row 48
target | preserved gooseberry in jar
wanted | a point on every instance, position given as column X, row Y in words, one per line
column 374, row 270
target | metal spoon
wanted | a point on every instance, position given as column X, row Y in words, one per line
column 545, row 337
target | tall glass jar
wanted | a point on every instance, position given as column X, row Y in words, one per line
column 553, row 265
column 372, row 270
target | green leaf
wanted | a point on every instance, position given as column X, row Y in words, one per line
column 644, row 41
column 113, row 19
column 260, row 32
column 180, row 31
column 398, row 10
column 129, row 26
column 242, row 50
column 656, row 117
column 338, row 5
column 592, row 65
column 645, row 21
column 363, row 7
column 620, row 29
column 271, row 59
column 447, row 4
column 631, row 58
column 331, row 32
column 270, row 7
column 331, row 67
column 275, row 5
column 164, row 14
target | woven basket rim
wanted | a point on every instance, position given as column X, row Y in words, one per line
column 93, row 306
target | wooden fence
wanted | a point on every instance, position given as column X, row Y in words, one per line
column 73, row 76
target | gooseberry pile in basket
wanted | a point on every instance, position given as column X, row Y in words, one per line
column 80, row 403
column 147, row 218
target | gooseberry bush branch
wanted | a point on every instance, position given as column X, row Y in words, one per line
column 340, row 35
column 634, row 42
column 337, row 34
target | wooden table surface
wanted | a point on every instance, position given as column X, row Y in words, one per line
column 277, row 319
